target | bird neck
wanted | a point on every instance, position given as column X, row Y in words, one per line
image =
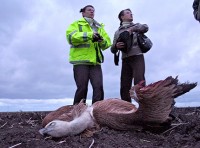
column 81, row 123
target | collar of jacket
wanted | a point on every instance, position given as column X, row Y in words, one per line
column 83, row 21
column 92, row 22
column 127, row 26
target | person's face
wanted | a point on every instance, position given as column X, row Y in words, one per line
column 127, row 17
column 89, row 12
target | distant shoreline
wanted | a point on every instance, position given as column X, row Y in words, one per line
column 21, row 111
column 35, row 105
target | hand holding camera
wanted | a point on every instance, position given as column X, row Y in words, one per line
column 97, row 38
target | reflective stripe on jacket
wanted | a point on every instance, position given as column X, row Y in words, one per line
column 83, row 51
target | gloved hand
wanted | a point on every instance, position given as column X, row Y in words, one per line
column 97, row 38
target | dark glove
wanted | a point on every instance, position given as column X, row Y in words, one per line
column 97, row 38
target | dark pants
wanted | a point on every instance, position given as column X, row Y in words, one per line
column 132, row 68
column 82, row 75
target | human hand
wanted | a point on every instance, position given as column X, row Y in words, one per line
column 119, row 45
column 97, row 38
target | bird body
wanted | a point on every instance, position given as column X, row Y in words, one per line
column 114, row 113
column 155, row 102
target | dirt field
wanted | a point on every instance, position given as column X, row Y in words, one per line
column 20, row 130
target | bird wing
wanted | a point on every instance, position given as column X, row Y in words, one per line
column 114, row 113
column 65, row 113
column 58, row 113
column 156, row 100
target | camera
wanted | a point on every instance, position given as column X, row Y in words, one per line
column 97, row 38
column 126, row 38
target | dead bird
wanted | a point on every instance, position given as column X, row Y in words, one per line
column 155, row 104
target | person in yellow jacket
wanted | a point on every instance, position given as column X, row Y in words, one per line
column 87, row 39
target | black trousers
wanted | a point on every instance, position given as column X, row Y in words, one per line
column 133, row 67
column 82, row 75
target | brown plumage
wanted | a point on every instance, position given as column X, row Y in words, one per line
column 114, row 113
column 155, row 104
column 62, row 113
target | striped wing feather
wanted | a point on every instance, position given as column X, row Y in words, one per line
column 156, row 100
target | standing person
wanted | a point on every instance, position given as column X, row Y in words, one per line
column 196, row 8
column 133, row 64
column 87, row 38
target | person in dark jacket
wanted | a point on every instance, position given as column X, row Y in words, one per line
column 133, row 63
column 196, row 8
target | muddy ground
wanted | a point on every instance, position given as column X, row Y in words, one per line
column 20, row 130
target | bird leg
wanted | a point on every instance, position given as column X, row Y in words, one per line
column 90, row 132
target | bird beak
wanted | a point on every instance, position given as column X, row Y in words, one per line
column 43, row 131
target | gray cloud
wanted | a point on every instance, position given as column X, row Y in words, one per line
column 34, row 51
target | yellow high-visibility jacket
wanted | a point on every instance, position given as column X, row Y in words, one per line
column 83, row 51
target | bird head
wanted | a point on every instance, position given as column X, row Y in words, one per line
column 56, row 128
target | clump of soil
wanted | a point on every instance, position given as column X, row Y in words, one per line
column 20, row 130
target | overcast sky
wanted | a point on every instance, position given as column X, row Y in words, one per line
column 34, row 51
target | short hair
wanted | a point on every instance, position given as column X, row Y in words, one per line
column 83, row 9
column 121, row 14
